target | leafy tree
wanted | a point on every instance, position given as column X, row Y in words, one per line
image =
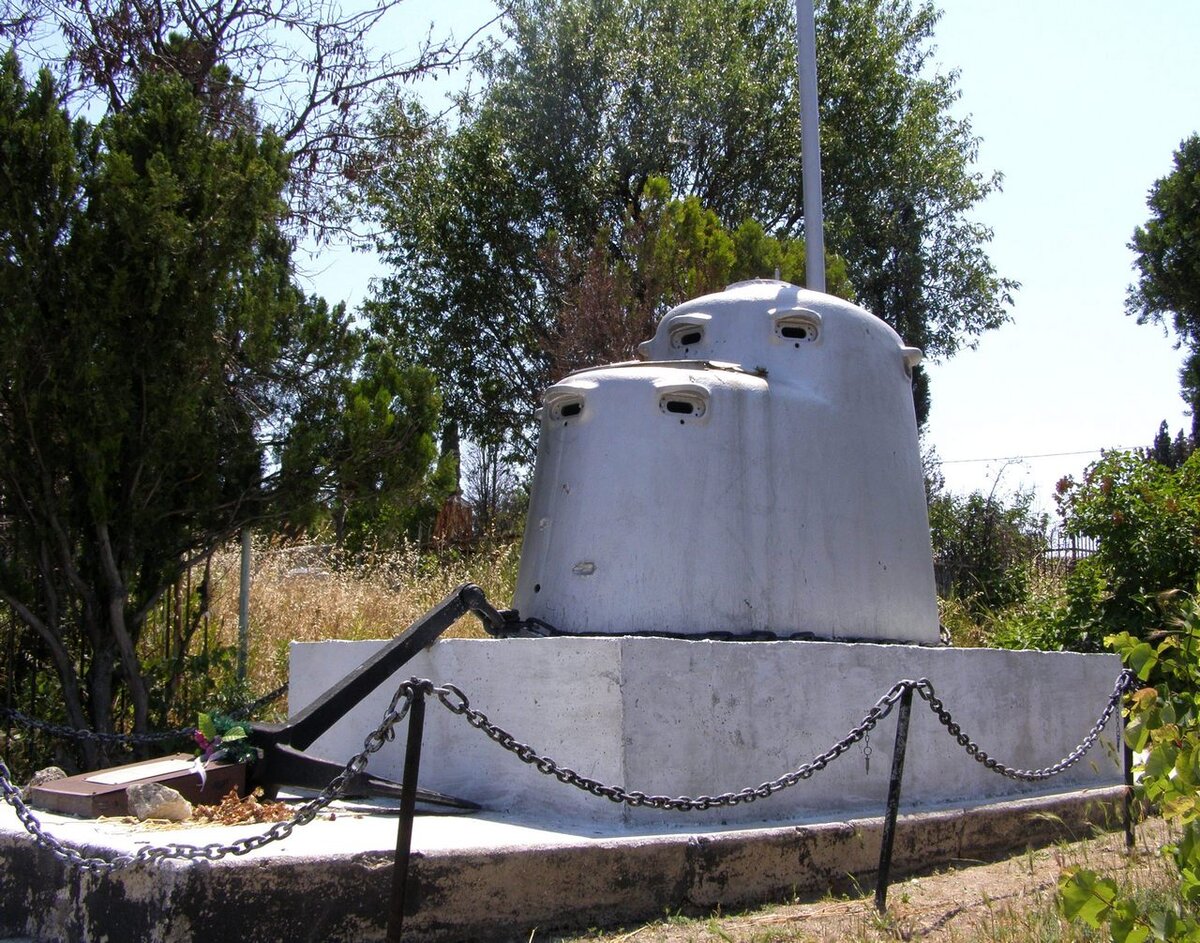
column 153, row 351
column 1168, row 451
column 674, row 250
column 364, row 466
column 308, row 65
column 585, row 103
column 1164, row 729
column 464, row 297
column 1146, row 518
column 1167, row 258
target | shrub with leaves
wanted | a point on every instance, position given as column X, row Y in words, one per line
column 1164, row 728
column 983, row 545
column 1147, row 520
column 220, row 737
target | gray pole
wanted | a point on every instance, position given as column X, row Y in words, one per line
column 244, row 608
column 810, row 146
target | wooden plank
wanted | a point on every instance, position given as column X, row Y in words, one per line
column 80, row 795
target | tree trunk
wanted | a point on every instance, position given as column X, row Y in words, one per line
column 119, row 632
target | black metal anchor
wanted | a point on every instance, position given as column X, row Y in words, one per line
column 284, row 762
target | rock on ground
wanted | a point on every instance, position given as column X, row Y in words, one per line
column 156, row 801
column 40, row 778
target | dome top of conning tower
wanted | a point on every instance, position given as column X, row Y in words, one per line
column 762, row 323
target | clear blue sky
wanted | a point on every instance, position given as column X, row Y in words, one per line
column 1081, row 106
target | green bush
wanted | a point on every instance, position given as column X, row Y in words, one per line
column 1163, row 723
column 1146, row 518
column 983, row 547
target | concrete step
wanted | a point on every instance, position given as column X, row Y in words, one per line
column 482, row 877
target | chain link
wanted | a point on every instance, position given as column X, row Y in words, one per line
column 455, row 701
column 67, row 732
column 1126, row 681
column 71, row 856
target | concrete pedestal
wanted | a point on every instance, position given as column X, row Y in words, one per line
column 480, row 878
column 665, row 716
column 676, row 717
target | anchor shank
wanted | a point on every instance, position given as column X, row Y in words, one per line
column 331, row 706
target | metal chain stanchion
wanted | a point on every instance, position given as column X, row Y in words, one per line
column 408, row 798
column 883, row 873
column 454, row 700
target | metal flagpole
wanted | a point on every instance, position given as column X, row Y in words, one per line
column 810, row 146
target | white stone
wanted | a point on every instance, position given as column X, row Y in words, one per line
column 788, row 500
column 156, row 801
column 682, row 717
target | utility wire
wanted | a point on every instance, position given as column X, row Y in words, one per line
column 1021, row 458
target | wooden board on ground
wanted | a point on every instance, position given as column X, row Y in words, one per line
column 103, row 792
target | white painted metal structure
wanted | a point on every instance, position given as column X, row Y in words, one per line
column 759, row 473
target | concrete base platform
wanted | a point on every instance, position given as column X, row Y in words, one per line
column 483, row 877
column 689, row 718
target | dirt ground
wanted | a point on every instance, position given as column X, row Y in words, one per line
column 1010, row 900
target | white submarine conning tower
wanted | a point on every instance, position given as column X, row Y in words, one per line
column 758, row 473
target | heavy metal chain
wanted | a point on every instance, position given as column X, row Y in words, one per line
column 1126, row 681
column 66, row 732
column 453, row 699
column 456, row 702
column 215, row 851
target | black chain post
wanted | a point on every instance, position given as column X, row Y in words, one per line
column 453, row 699
column 1128, row 800
column 1126, row 684
column 893, row 802
column 408, row 801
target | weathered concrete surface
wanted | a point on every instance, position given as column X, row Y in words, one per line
column 677, row 717
column 481, row 878
column 666, row 716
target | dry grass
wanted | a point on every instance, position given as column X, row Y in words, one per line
column 972, row 625
column 310, row 594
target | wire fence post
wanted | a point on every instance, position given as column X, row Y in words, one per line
column 893, row 802
column 243, row 648
column 408, row 801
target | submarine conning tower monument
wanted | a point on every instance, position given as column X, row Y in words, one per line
column 719, row 537
column 757, row 474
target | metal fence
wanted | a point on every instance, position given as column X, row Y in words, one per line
column 1052, row 558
